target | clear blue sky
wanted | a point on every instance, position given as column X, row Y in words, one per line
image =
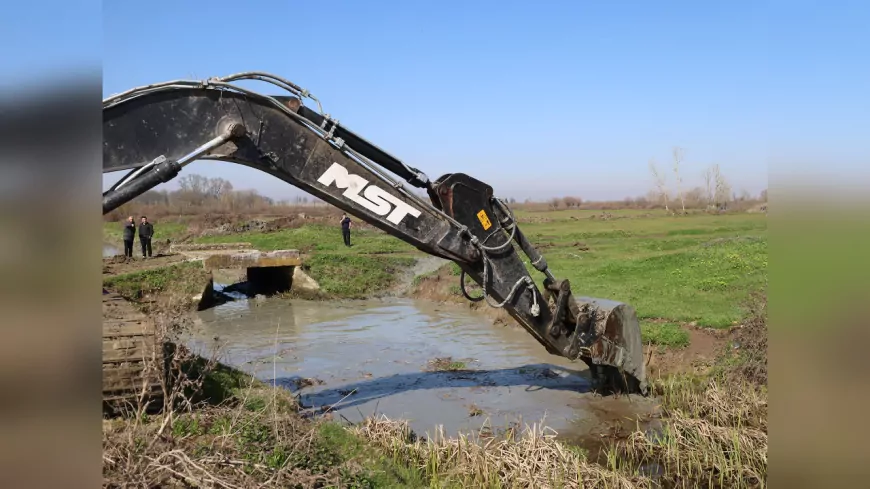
column 537, row 98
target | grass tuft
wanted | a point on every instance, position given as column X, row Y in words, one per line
column 664, row 334
column 446, row 364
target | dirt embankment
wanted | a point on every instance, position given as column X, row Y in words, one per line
column 442, row 285
column 165, row 287
column 705, row 345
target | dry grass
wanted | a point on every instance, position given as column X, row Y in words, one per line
column 220, row 428
column 713, row 437
column 718, row 401
column 715, row 431
column 751, row 343
column 530, row 458
column 258, row 442
column 254, row 438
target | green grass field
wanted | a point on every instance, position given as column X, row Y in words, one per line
column 317, row 238
column 113, row 232
column 681, row 269
column 690, row 268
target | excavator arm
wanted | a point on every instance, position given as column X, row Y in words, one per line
column 154, row 131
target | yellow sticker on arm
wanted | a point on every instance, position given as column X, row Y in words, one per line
column 484, row 220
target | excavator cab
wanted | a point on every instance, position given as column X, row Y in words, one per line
column 155, row 130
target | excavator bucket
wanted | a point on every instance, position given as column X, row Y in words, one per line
column 613, row 348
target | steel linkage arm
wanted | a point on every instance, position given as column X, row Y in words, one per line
column 604, row 334
column 154, row 131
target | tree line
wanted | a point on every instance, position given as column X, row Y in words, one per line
column 715, row 192
column 197, row 194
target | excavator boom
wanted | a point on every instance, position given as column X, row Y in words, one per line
column 156, row 130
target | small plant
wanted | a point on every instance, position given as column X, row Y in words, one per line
column 445, row 364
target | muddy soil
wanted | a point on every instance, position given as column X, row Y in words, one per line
column 442, row 287
column 357, row 358
column 704, row 346
column 424, row 266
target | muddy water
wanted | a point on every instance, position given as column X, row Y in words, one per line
column 372, row 358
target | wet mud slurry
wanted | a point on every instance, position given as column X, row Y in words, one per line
column 360, row 358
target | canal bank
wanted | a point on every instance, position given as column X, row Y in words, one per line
column 423, row 363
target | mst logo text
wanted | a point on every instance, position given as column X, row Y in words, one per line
column 373, row 198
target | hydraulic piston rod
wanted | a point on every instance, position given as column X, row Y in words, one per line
column 161, row 170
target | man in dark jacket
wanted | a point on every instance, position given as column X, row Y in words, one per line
column 146, row 232
column 129, row 234
column 345, row 229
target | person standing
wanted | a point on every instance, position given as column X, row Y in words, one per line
column 345, row 229
column 146, row 232
column 129, row 234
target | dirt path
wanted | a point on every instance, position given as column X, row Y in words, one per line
column 119, row 265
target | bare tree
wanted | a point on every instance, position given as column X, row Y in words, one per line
column 660, row 184
column 193, row 183
column 695, row 197
column 722, row 189
column 709, row 179
column 678, row 159
column 554, row 203
column 571, row 202
column 217, row 188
